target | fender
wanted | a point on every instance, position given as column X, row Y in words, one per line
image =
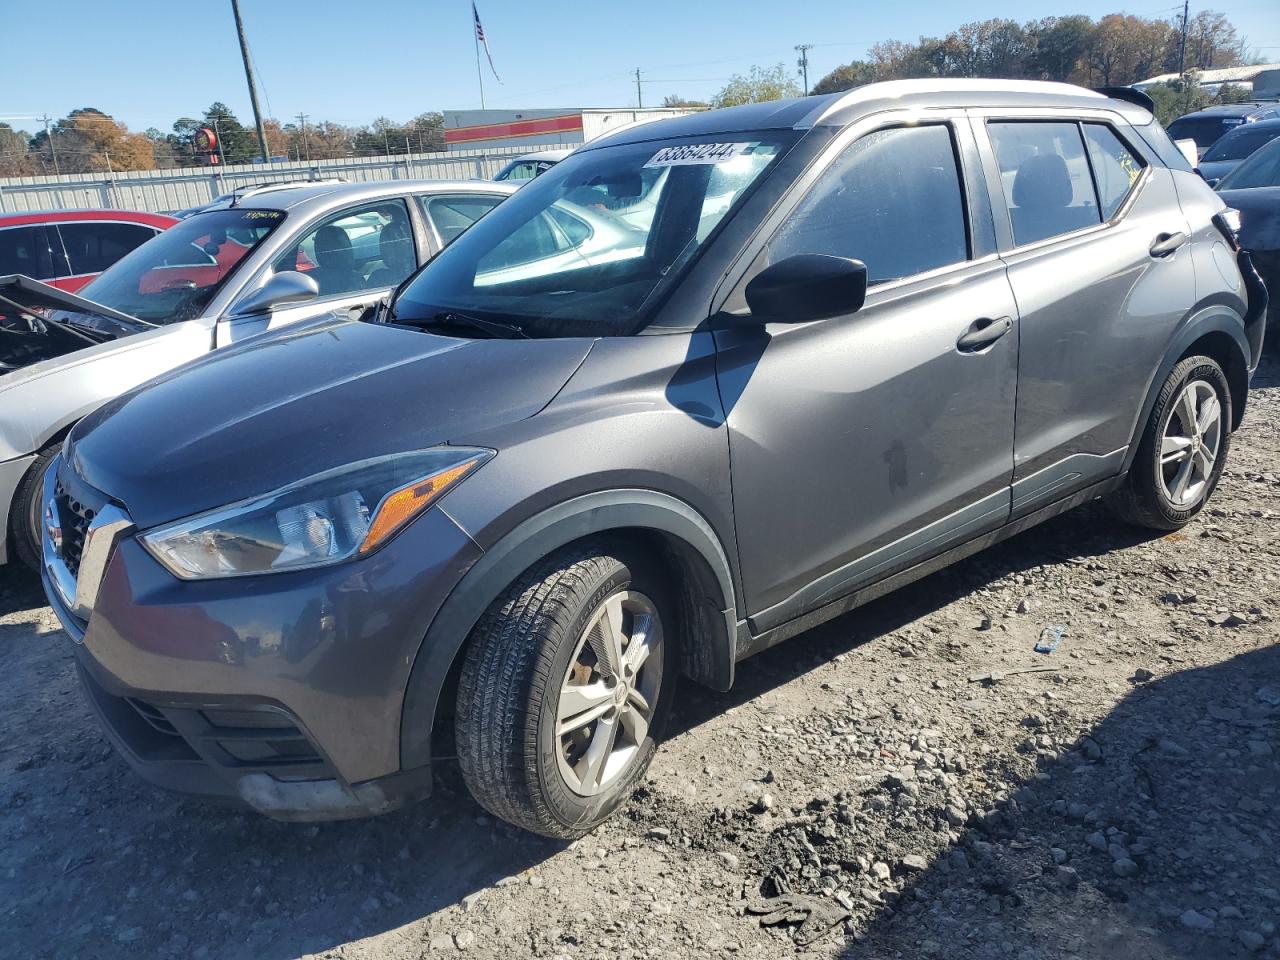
column 1216, row 318
column 678, row 523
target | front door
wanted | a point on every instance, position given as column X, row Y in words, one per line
column 357, row 257
column 864, row 443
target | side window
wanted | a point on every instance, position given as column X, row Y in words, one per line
column 1115, row 168
column 451, row 215
column 361, row 248
column 1046, row 179
column 92, row 247
column 523, row 171
column 25, row 250
column 892, row 200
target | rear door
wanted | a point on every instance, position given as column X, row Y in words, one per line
column 861, row 444
column 1095, row 242
column 91, row 246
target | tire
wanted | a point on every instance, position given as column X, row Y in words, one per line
column 25, row 511
column 518, row 664
column 1150, row 495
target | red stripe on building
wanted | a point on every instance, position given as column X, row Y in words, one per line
column 517, row 128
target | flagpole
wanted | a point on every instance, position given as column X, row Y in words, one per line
column 476, row 38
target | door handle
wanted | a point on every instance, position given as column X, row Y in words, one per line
column 1166, row 243
column 982, row 333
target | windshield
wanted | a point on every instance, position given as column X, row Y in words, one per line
column 588, row 246
column 1240, row 143
column 1262, row 169
column 174, row 276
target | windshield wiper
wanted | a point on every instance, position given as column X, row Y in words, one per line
column 451, row 318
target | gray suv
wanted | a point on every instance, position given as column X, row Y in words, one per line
column 855, row 338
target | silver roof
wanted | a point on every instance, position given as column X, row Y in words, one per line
column 307, row 196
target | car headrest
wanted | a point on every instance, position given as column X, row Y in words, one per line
column 333, row 246
column 1043, row 181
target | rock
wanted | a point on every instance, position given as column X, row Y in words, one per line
column 1089, row 747
column 1172, row 748
column 472, row 901
column 1124, row 867
column 1194, row 920
column 659, row 833
column 1024, row 605
column 1251, row 940
column 913, row 863
column 1233, row 620
column 463, row 939
column 1059, row 855
column 880, row 870
column 1268, row 695
column 728, row 860
column 1096, row 840
column 763, row 804
column 1260, row 748
column 441, row 943
column 1142, row 675
column 984, row 623
column 1067, row 877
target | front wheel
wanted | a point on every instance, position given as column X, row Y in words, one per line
column 565, row 686
column 1183, row 450
column 26, row 511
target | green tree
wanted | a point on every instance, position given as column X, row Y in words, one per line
column 1059, row 42
column 851, row 75
column 676, row 101
column 239, row 143
column 759, row 85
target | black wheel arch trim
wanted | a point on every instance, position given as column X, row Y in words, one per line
column 530, row 541
column 1214, row 319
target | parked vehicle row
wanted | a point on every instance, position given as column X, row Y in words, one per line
column 696, row 388
column 68, row 248
column 258, row 262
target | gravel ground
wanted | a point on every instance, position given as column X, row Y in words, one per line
column 912, row 780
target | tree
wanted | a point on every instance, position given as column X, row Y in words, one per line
column 1212, row 42
column 1124, row 49
column 89, row 141
column 759, row 85
column 1060, row 42
column 989, row 48
column 238, row 144
column 677, row 101
column 14, row 159
column 851, row 75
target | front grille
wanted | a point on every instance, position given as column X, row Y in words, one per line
column 74, row 517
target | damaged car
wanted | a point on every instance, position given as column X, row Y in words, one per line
column 860, row 337
column 262, row 261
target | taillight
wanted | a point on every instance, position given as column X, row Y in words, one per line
column 1228, row 223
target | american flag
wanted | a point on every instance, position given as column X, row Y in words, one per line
column 481, row 39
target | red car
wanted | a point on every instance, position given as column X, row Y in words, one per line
column 68, row 248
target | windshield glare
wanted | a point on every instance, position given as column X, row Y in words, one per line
column 174, row 276
column 1262, row 169
column 586, row 247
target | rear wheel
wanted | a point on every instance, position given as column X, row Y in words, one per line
column 25, row 514
column 1183, row 450
column 565, row 686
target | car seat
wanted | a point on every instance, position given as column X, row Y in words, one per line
column 335, row 270
column 1042, row 195
column 395, row 248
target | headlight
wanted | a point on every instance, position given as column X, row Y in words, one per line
column 324, row 519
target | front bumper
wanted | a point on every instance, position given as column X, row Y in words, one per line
column 283, row 691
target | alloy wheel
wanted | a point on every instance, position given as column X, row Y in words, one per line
column 609, row 693
column 1190, row 443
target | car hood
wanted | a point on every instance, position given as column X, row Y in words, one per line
column 1259, row 216
column 40, row 323
column 249, row 419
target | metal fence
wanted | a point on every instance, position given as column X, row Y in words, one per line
column 163, row 191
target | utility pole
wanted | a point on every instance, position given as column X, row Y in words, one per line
column 1182, row 47
column 803, row 63
column 302, row 121
column 48, row 135
column 639, row 92
column 253, row 87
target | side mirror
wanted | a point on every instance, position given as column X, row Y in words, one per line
column 811, row 286
column 284, row 288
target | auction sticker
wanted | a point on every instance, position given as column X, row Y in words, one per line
column 693, row 153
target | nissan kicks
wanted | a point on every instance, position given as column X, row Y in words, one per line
column 579, row 456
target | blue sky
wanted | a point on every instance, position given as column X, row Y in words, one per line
column 148, row 62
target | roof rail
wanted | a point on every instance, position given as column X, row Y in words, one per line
column 253, row 189
column 1128, row 95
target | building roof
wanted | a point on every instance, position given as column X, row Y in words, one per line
column 1221, row 75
